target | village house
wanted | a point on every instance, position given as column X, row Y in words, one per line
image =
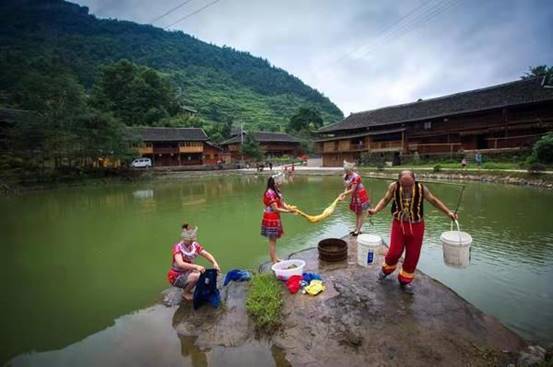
column 273, row 144
column 502, row 118
column 177, row 146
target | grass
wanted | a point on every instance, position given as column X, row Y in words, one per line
column 264, row 302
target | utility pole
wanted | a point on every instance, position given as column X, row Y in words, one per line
column 241, row 142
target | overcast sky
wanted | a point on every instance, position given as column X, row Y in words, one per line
column 365, row 54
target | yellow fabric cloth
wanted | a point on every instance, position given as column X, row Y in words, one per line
column 315, row 287
column 317, row 218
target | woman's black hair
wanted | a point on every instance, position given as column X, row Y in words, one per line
column 271, row 185
column 184, row 226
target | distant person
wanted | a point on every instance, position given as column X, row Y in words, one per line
column 463, row 163
column 478, row 158
column 271, row 225
column 184, row 273
column 360, row 200
column 271, row 165
column 407, row 231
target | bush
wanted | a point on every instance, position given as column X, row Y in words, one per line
column 264, row 302
column 543, row 149
column 536, row 168
column 437, row 168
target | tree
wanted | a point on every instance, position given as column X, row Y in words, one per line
column 62, row 127
column 136, row 94
column 306, row 119
column 539, row 71
column 251, row 148
column 542, row 151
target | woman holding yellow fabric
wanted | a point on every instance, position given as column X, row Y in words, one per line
column 360, row 200
column 271, row 225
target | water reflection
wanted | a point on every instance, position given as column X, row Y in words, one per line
column 117, row 243
column 191, row 351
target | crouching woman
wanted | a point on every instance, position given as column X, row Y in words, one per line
column 184, row 273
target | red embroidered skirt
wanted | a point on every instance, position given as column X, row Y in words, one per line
column 271, row 226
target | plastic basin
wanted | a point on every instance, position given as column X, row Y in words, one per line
column 286, row 268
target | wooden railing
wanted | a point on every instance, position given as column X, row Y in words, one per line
column 435, row 147
column 145, row 150
column 332, row 147
column 166, row 150
column 191, row 149
column 359, row 147
column 385, row 145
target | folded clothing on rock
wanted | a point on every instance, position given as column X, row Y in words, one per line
column 293, row 283
column 206, row 290
column 237, row 275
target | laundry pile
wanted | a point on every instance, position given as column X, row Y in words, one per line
column 309, row 283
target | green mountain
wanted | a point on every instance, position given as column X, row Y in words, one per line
column 220, row 82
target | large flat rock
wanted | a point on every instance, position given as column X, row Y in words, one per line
column 360, row 321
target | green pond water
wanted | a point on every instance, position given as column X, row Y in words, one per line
column 82, row 268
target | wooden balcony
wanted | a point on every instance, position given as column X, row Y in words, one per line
column 191, row 148
column 435, row 147
column 145, row 150
column 344, row 145
column 359, row 147
column 166, row 150
column 341, row 147
column 234, row 148
column 385, row 146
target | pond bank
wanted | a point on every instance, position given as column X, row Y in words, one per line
column 544, row 180
column 509, row 177
column 360, row 321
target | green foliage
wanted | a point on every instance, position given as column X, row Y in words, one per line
column 62, row 130
column 539, row 71
column 437, row 168
column 536, row 168
column 499, row 165
column 306, row 119
column 542, row 151
column 251, row 148
column 264, row 302
column 137, row 95
column 221, row 83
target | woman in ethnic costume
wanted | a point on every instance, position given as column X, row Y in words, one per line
column 271, row 225
column 360, row 200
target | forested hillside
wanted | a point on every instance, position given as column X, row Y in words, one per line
column 221, row 83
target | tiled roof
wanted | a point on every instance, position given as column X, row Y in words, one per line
column 265, row 137
column 509, row 94
column 171, row 133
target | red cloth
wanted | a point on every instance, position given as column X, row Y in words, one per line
column 408, row 237
column 188, row 256
column 359, row 196
column 293, row 283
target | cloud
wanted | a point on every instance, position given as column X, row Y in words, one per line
column 356, row 52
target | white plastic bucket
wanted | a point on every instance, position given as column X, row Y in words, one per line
column 368, row 246
column 281, row 268
column 456, row 247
